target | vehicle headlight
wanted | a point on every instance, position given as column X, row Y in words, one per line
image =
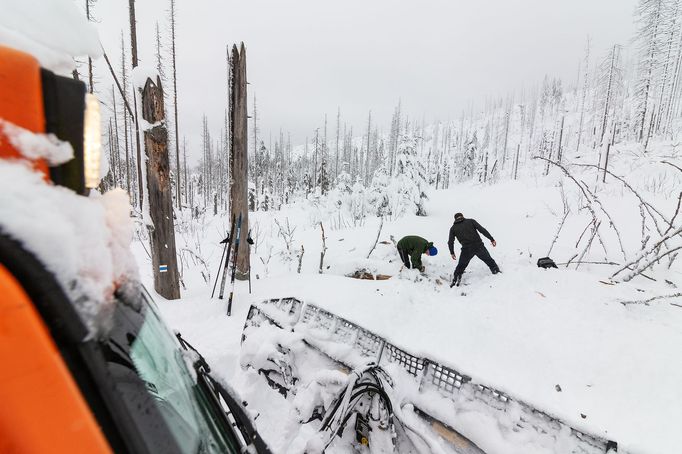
column 92, row 141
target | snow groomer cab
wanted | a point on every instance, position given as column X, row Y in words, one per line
column 87, row 364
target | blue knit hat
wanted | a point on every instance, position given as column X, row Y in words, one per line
column 433, row 250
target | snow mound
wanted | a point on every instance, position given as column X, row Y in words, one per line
column 37, row 146
column 83, row 241
column 54, row 32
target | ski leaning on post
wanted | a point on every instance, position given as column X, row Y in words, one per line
column 234, row 264
column 249, row 240
column 229, row 239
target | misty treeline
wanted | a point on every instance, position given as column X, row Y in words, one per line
column 629, row 92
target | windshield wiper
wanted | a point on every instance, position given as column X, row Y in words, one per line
column 226, row 404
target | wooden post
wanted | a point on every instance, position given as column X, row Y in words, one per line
column 239, row 155
column 162, row 233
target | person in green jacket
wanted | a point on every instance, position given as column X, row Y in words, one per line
column 411, row 248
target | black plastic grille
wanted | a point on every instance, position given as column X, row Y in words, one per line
column 411, row 363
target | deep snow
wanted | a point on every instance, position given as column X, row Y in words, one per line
column 524, row 332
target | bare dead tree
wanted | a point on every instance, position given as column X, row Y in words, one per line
column 178, row 183
column 91, row 83
column 239, row 160
column 133, row 48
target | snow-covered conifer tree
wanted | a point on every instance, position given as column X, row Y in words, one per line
column 411, row 176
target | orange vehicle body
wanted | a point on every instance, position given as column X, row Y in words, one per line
column 21, row 100
column 41, row 407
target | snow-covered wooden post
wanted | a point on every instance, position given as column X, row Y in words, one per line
column 160, row 199
column 239, row 155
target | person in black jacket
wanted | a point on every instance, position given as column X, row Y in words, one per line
column 466, row 231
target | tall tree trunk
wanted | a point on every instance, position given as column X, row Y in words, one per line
column 124, row 80
column 239, row 154
column 133, row 50
column 338, row 130
column 256, row 173
column 91, row 84
column 649, row 78
column 178, row 183
column 162, row 234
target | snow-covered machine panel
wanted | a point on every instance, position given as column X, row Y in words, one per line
column 436, row 392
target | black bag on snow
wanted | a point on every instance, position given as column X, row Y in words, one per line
column 546, row 262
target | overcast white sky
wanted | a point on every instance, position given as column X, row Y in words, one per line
column 306, row 57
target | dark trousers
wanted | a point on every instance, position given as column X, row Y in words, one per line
column 477, row 250
column 405, row 257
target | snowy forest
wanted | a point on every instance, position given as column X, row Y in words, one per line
column 629, row 93
column 626, row 97
column 585, row 172
column 366, row 227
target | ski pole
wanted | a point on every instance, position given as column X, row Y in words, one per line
column 234, row 264
column 217, row 275
column 249, row 240
column 227, row 260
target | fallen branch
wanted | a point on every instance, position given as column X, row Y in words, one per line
column 638, row 270
column 644, row 254
column 595, row 229
column 647, row 301
column 592, row 263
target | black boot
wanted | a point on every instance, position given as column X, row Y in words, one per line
column 457, row 279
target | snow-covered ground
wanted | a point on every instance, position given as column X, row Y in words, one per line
column 523, row 332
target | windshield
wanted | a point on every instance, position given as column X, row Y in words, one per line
column 169, row 408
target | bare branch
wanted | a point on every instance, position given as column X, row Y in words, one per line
column 647, row 301
column 651, row 251
column 646, row 204
column 638, row 269
column 381, row 225
column 671, row 164
column 677, row 211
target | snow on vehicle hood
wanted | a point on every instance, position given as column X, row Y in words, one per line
column 54, row 32
column 83, row 241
